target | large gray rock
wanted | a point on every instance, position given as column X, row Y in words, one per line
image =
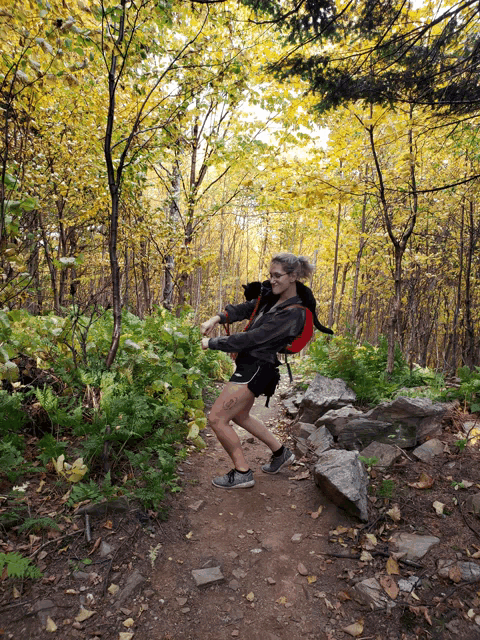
column 336, row 419
column 429, row 427
column 322, row 395
column 404, row 408
column 342, row 478
column 360, row 432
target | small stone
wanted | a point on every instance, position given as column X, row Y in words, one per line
column 234, row 585
column 181, row 601
column 239, row 573
column 302, row 570
column 271, row 581
column 235, row 633
column 372, row 594
column 185, row 609
column 196, row 506
column 105, row 549
column 204, row 577
column 296, row 538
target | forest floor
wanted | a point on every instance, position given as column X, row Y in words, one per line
column 278, row 547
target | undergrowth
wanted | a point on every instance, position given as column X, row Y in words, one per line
column 60, row 402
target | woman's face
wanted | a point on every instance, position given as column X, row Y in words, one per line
column 279, row 279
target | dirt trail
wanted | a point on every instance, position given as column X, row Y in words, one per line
column 248, row 533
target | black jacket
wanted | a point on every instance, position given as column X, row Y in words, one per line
column 268, row 334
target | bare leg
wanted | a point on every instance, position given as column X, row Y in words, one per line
column 256, row 427
column 234, row 399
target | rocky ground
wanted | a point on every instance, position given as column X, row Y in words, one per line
column 274, row 562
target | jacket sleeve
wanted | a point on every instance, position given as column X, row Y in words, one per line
column 279, row 329
column 237, row 312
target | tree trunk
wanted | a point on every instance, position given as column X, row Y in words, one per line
column 335, row 268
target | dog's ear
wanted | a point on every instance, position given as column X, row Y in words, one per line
column 245, row 286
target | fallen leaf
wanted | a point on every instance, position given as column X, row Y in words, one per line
column 40, row 486
column 189, row 535
column 424, row 482
column 51, row 626
column 439, row 507
column 113, row 589
column 16, row 592
column 301, row 476
column 355, row 629
column 389, row 585
column 317, row 513
column 95, row 546
column 281, row 600
column 129, row 622
column 84, row 614
column 311, row 579
column 250, row 596
column 125, row 635
column 392, row 567
column 394, row 513
column 343, row 596
column 108, row 525
column 365, row 556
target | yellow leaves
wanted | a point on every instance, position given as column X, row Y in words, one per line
column 71, row 472
column 84, row 614
column 355, row 630
column 389, row 585
column 392, row 567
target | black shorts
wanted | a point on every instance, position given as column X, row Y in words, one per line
column 260, row 377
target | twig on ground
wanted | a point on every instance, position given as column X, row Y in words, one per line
column 68, row 535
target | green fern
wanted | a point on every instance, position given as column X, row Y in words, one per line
column 38, row 524
column 18, row 566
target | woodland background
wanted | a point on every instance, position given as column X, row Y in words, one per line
column 158, row 153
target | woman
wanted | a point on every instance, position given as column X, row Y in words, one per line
column 274, row 326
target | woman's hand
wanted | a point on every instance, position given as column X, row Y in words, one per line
column 205, row 343
column 207, row 327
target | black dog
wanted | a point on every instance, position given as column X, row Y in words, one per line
column 255, row 289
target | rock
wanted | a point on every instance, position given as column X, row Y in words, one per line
column 303, row 430
column 429, row 427
column 454, row 626
column 372, row 594
column 408, row 585
column 459, row 571
column 300, row 448
column 321, row 439
column 427, row 451
column 290, row 408
column 360, row 432
column 342, row 478
column 384, row 453
column 105, row 549
column 469, row 426
column 297, row 538
column 412, row 546
column 472, row 504
column 407, row 408
column 196, row 506
column 322, row 395
column 135, row 579
column 45, row 609
column 336, row 419
column 205, row 577
column 118, row 505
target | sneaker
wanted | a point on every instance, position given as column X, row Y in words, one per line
column 234, row 480
column 278, row 462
